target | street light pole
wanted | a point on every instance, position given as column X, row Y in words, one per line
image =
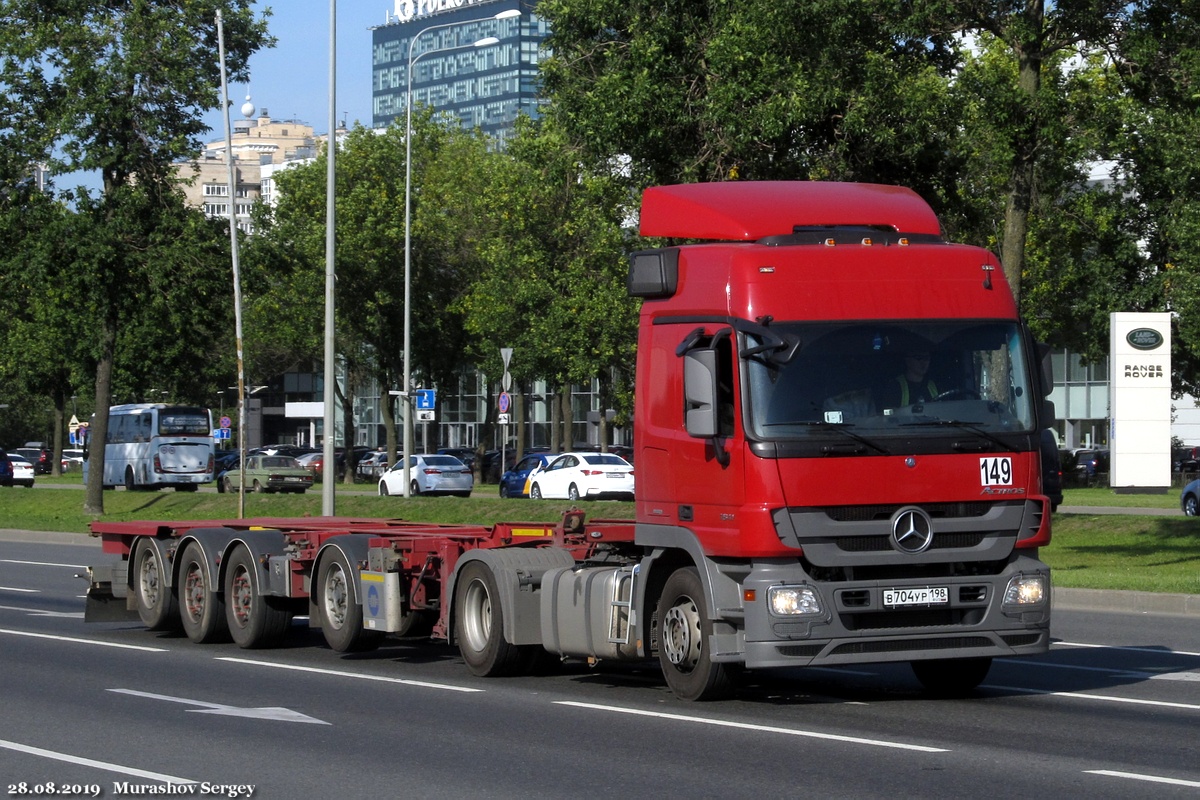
column 327, row 458
column 406, row 387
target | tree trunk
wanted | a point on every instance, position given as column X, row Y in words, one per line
column 568, row 436
column 1022, row 177
column 98, row 434
column 555, row 428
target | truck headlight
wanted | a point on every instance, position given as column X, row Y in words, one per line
column 1025, row 590
column 789, row 601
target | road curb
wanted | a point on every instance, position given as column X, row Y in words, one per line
column 1129, row 602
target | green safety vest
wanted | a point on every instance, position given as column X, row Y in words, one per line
column 903, row 381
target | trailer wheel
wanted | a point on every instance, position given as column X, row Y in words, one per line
column 254, row 619
column 341, row 617
column 951, row 677
column 202, row 610
column 480, row 625
column 156, row 604
column 683, row 634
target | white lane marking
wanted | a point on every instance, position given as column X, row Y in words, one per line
column 1115, row 672
column 75, row 640
column 274, row 713
column 753, row 727
column 88, row 762
column 40, row 564
column 343, row 674
column 41, row 612
column 1138, row 777
column 15, row 589
column 1101, row 697
column 1161, row 651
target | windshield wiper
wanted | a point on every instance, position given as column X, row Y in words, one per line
column 971, row 427
column 842, row 428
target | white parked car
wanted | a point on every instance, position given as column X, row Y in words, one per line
column 430, row 474
column 22, row 471
column 583, row 476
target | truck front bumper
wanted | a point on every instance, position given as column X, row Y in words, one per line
column 891, row 620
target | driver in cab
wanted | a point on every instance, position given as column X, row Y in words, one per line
column 913, row 385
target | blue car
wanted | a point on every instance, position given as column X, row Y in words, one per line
column 513, row 482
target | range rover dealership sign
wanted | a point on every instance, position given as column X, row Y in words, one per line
column 1140, row 402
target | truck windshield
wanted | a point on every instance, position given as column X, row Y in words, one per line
column 891, row 379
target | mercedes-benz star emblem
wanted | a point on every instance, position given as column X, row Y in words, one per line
column 912, row 530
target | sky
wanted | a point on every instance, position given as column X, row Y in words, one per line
column 291, row 80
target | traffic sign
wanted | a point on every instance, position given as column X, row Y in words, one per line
column 503, row 419
column 504, row 403
column 426, row 399
column 226, row 422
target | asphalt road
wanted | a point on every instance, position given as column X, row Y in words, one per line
column 112, row 710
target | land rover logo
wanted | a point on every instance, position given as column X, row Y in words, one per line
column 1144, row 338
column 912, row 531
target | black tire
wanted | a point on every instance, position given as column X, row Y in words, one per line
column 573, row 493
column 341, row 616
column 535, row 492
column 414, row 489
column 503, row 492
column 1191, row 506
column 684, row 631
column 259, row 488
column 130, row 483
column 951, row 677
column 254, row 619
column 156, row 603
column 229, row 485
column 462, row 494
column 186, row 487
column 479, row 618
column 383, row 490
column 201, row 606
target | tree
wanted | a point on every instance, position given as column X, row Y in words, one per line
column 760, row 89
column 552, row 285
column 118, row 87
column 448, row 163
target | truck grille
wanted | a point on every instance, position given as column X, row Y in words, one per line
column 879, row 544
column 884, row 512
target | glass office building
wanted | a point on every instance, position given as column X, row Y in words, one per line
column 486, row 86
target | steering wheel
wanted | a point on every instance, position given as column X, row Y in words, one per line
column 957, row 394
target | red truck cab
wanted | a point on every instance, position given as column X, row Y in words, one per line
column 841, row 501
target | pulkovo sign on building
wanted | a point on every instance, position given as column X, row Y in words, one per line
column 408, row 10
column 1140, row 394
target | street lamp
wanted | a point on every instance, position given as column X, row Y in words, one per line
column 406, row 387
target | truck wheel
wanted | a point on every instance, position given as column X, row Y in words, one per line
column 341, row 617
column 156, row 604
column 480, row 625
column 202, row 610
column 254, row 619
column 683, row 635
column 951, row 677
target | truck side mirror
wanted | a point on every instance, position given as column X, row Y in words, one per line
column 1045, row 352
column 700, row 393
